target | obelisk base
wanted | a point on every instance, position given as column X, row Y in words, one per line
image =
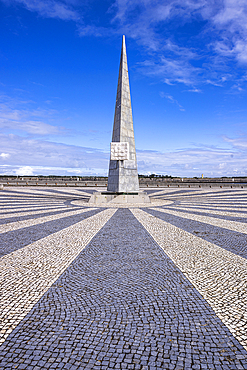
column 119, row 198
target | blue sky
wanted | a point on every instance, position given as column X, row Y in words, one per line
column 59, row 68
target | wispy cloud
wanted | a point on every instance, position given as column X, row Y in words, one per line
column 171, row 99
column 239, row 142
column 21, row 152
column 223, row 29
column 171, row 71
column 195, row 90
column 140, row 18
column 193, row 162
column 28, row 156
column 15, row 115
column 49, row 8
column 192, row 59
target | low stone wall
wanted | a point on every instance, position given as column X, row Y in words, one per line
column 54, row 183
column 144, row 182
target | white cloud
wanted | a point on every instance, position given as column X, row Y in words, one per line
column 240, row 49
column 4, row 155
column 24, row 171
column 233, row 13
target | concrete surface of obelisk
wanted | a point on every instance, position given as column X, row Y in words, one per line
column 123, row 175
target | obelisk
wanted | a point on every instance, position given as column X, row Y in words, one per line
column 123, row 184
column 123, row 175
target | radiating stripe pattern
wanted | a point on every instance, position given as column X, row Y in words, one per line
column 135, row 270
column 27, row 273
column 217, row 274
column 15, row 225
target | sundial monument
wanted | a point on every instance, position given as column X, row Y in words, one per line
column 123, row 183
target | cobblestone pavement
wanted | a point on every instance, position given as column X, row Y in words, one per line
column 163, row 287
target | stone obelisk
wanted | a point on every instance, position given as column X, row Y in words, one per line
column 123, row 184
column 123, row 175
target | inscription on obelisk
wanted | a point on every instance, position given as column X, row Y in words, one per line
column 123, row 175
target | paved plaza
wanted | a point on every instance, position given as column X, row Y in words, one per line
column 161, row 286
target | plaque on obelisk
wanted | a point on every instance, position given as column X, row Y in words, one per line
column 123, row 175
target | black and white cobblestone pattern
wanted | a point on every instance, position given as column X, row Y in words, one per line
column 220, row 208
column 226, row 224
column 219, row 275
column 101, row 314
column 26, row 274
column 122, row 304
column 27, row 215
column 77, row 192
column 237, row 216
column 15, row 225
column 16, row 239
column 223, row 207
column 233, row 241
column 34, row 192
